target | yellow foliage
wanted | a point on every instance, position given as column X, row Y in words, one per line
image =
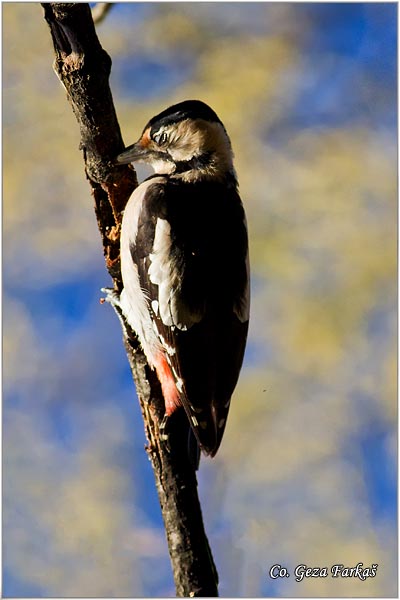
column 290, row 482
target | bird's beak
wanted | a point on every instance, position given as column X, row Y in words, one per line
column 133, row 153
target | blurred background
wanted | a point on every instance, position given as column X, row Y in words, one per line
column 307, row 470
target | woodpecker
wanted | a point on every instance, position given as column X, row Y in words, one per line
column 185, row 265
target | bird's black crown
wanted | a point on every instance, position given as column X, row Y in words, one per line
column 189, row 109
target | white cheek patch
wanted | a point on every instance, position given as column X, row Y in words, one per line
column 186, row 139
column 197, row 137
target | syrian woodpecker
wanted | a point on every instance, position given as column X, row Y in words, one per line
column 185, row 265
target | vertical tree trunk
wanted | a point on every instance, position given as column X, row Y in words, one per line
column 83, row 68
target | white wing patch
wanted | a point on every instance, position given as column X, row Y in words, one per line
column 133, row 299
column 171, row 311
column 160, row 268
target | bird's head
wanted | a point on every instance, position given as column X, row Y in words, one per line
column 187, row 140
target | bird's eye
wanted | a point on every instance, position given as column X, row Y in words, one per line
column 161, row 138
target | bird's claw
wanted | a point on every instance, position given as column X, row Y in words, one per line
column 112, row 297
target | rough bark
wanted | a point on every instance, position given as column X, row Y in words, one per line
column 83, row 68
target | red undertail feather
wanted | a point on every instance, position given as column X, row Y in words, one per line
column 168, row 386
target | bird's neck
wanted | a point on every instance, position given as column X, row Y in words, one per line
column 207, row 166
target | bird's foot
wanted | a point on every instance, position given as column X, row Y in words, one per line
column 112, row 297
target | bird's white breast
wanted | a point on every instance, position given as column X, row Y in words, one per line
column 133, row 300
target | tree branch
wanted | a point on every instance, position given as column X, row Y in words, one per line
column 100, row 11
column 83, row 68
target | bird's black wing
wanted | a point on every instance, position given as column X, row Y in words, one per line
column 192, row 258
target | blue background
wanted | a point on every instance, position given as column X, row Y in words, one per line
column 81, row 516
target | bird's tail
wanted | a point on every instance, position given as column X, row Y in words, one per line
column 193, row 449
